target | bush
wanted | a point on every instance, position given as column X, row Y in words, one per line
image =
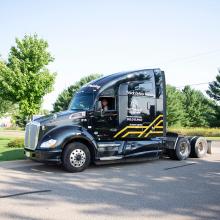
column 206, row 132
column 16, row 143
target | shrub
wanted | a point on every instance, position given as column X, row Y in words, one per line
column 16, row 143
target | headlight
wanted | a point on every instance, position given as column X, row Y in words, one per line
column 48, row 144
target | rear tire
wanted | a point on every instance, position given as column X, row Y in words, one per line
column 182, row 150
column 199, row 147
column 76, row 157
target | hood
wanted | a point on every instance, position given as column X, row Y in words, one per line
column 54, row 118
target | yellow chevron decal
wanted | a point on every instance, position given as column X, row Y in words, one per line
column 150, row 129
column 153, row 132
column 152, row 123
column 127, row 127
column 131, row 132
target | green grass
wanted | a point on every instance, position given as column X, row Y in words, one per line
column 7, row 154
column 206, row 132
column 213, row 138
column 11, row 129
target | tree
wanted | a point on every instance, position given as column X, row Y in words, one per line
column 175, row 110
column 24, row 78
column 214, row 88
column 198, row 109
column 214, row 92
column 4, row 106
column 65, row 97
column 214, row 119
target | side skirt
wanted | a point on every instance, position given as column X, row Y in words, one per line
column 125, row 160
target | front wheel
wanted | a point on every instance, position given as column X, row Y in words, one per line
column 76, row 157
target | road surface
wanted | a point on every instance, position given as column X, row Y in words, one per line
column 161, row 189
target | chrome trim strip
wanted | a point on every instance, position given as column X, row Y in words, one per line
column 145, row 152
column 111, row 158
column 109, row 145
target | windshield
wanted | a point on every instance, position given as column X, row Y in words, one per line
column 82, row 101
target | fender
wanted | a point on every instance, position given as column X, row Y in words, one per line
column 66, row 133
column 171, row 140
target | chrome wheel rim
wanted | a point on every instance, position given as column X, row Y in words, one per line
column 184, row 149
column 77, row 158
column 201, row 146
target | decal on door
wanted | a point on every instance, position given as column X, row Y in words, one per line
column 154, row 128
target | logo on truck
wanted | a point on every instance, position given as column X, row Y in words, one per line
column 140, row 131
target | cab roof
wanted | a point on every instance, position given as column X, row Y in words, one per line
column 120, row 75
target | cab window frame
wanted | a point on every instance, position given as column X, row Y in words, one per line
column 108, row 93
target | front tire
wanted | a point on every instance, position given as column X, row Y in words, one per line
column 76, row 157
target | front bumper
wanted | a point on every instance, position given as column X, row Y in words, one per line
column 52, row 156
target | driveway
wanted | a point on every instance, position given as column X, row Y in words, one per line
column 162, row 189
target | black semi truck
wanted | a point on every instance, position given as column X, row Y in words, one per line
column 119, row 117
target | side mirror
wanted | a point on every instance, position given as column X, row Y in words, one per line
column 98, row 105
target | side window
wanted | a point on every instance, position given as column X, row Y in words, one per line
column 107, row 101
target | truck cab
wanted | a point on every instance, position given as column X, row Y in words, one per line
column 119, row 117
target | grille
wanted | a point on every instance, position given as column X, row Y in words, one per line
column 31, row 135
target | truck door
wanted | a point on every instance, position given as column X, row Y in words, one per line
column 105, row 121
column 138, row 121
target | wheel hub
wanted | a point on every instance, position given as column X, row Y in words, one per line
column 184, row 148
column 200, row 147
column 77, row 158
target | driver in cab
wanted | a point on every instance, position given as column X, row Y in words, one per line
column 104, row 104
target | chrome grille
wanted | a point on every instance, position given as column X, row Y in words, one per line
column 31, row 135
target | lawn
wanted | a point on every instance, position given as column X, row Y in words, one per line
column 211, row 133
column 6, row 153
column 213, row 138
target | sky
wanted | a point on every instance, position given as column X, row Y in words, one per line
column 99, row 36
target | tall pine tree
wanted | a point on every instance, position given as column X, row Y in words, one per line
column 214, row 92
column 214, row 88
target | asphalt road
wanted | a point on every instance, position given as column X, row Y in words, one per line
column 162, row 189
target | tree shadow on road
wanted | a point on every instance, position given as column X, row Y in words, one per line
column 138, row 189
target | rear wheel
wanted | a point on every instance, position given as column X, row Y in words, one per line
column 199, row 147
column 76, row 157
column 182, row 150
